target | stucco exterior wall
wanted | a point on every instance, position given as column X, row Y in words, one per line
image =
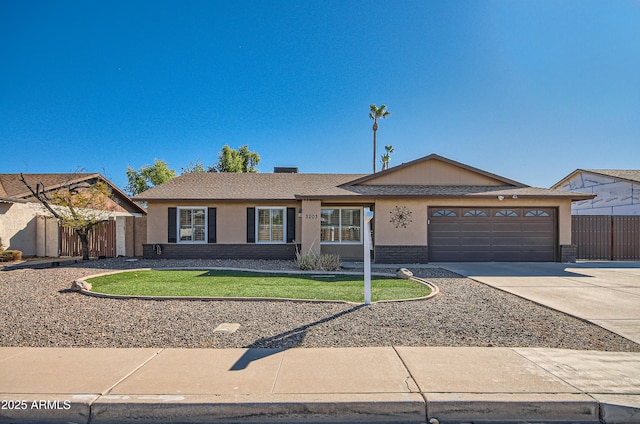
column 310, row 227
column 18, row 227
column 411, row 231
column 231, row 220
column 434, row 172
column 416, row 232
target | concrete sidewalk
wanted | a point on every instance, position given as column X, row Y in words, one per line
column 604, row 293
column 375, row 384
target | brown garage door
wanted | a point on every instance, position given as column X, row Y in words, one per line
column 492, row 234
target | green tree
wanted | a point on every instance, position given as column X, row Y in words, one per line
column 232, row 160
column 194, row 167
column 376, row 113
column 79, row 206
column 386, row 157
column 148, row 176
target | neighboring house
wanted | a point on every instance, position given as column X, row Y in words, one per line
column 617, row 191
column 430, row 209
column 22, row 217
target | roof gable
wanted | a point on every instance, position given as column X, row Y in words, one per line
column 611, row 175
column 435, row 170
column 13, row 188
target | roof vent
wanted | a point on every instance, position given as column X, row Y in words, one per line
column 285, row 170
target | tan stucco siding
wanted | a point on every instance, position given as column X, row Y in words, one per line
column 434, row 173
column 157, row 222
column 416, row 232
column 310, row 230
column 564, row 223
column 18, row 226
column 231, row 220
column 389, row 234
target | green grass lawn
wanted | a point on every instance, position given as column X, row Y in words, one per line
column 253, row 284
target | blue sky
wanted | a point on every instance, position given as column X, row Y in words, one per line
column 530, row 90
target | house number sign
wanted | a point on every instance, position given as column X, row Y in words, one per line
column 311, row 216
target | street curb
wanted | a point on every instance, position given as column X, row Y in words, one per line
column 512, row 408
column 48, row 408
column 320, row 408
column 418, row 408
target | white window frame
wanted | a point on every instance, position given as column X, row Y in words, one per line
column 284, row 224
column 340, row 225
column 206, row 225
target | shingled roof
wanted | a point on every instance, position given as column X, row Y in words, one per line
column 12, row 188
column 624, row 174
column 242, row 186
column 287, row 187
column 391, row 191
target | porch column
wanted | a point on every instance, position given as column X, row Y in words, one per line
column 310, row 234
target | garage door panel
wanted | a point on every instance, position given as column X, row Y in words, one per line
column 470, row 227
column 534, row 241
column 537, row 227
column 506, row 241
column 494, row 237
column 506, row 227
column 475, row 241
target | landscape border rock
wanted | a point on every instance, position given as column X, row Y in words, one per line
column 82, row 286
column 404, row 273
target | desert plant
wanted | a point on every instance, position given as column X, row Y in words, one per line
column 313, row 261
column 306, row 261
column 10, row 255
column 328, row 262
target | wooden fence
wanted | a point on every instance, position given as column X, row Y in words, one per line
column 603, row 237
column 102, row 241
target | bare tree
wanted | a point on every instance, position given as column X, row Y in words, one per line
column 77, row 205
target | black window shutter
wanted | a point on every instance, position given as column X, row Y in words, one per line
column 211, row 224
column 172, row 229
column 291, row 225
column 251, row 225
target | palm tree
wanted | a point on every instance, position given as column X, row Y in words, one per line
column 386, row 157
column 375, row 114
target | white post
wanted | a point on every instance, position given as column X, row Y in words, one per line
column 368, row 216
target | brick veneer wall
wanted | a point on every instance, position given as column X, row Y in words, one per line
column 568, row 253
column 401, row 254
column 221, row 251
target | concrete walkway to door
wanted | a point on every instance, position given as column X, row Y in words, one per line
column 604, row 293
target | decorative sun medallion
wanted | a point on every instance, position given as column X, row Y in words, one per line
column 400, row 216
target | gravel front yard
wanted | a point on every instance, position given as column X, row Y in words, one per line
column 38, row 310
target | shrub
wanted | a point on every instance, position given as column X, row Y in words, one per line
column 311, row 261
column 329, row 262
column 10, row 255
column 306, row 262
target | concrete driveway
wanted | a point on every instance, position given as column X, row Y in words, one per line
column 604, row 293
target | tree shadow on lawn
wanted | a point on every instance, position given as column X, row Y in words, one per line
column 267, row 346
